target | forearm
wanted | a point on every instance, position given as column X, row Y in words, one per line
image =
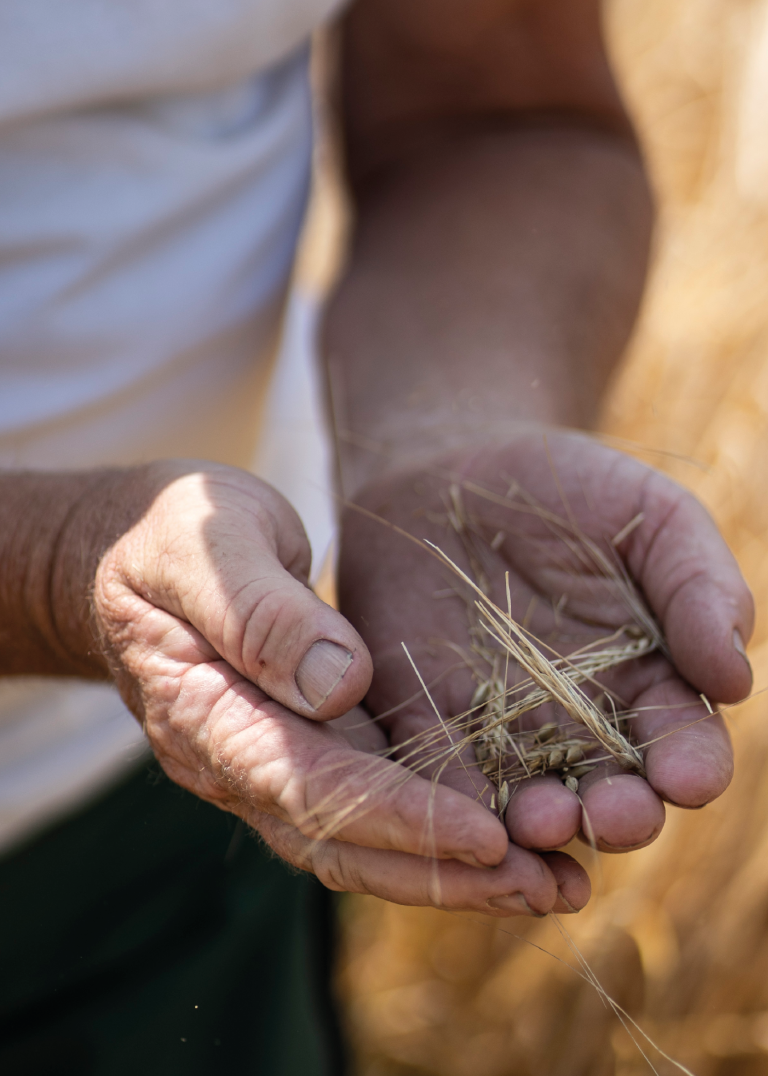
column 54, row 528
column 493, row 280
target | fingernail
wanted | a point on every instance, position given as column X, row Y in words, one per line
column 738, row 646
column 470, row 859
column 514, row 904
column 606, row 846
column 320, row 670
column 567, row 903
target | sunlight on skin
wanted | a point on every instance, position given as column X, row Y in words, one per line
column 690, row 767
column 192, row 661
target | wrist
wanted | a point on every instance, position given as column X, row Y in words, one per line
column 117, row 538
column 54, row 530
column 42, row 628
column 437, row 446
column 110, row 502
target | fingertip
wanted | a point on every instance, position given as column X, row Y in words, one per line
column 693, row 766
column 298, row 650
column 621, row 813
column 537, row 883
column 443, row 823
column 574, row 887
column 722, row 670
column 706, row 629
column 333, row 677
column 477, row 837
column 521, row 884
column 543, row 814
column 321, row 671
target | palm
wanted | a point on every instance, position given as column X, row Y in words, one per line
column 545, row 514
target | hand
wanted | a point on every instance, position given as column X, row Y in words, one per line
column 393, row 591
column 235, row 668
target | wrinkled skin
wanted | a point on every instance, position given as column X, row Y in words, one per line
column 680, row 564
column 203, row 610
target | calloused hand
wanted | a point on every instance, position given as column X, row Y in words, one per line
column 236, row 669
column 394, row 592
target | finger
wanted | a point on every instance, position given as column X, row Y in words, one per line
column 233, row 558
column 620, row 811
column 688, row 756
column 257, row 753
column 297, row 649
column 542, row 813
column 695, row 587
column 522, row 884
column 219, row 736
column 573, row 886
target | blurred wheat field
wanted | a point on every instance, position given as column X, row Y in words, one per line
column 677, row 933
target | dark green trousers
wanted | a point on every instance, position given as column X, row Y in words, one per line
column 151, row 934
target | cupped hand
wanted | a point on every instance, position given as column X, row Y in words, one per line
column 236, row 670
column 538, row 508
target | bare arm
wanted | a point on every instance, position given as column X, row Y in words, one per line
column 47, row 564
column 503, row 228
column 187, row 582
column 504, row 220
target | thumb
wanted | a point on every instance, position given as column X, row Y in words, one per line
column 229, row 555
column 694, row 585
column 297, row 649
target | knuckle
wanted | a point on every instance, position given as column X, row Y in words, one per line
column 334, row 868
column 272, row 615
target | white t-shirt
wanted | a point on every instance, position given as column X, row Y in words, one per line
column 154, row 166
